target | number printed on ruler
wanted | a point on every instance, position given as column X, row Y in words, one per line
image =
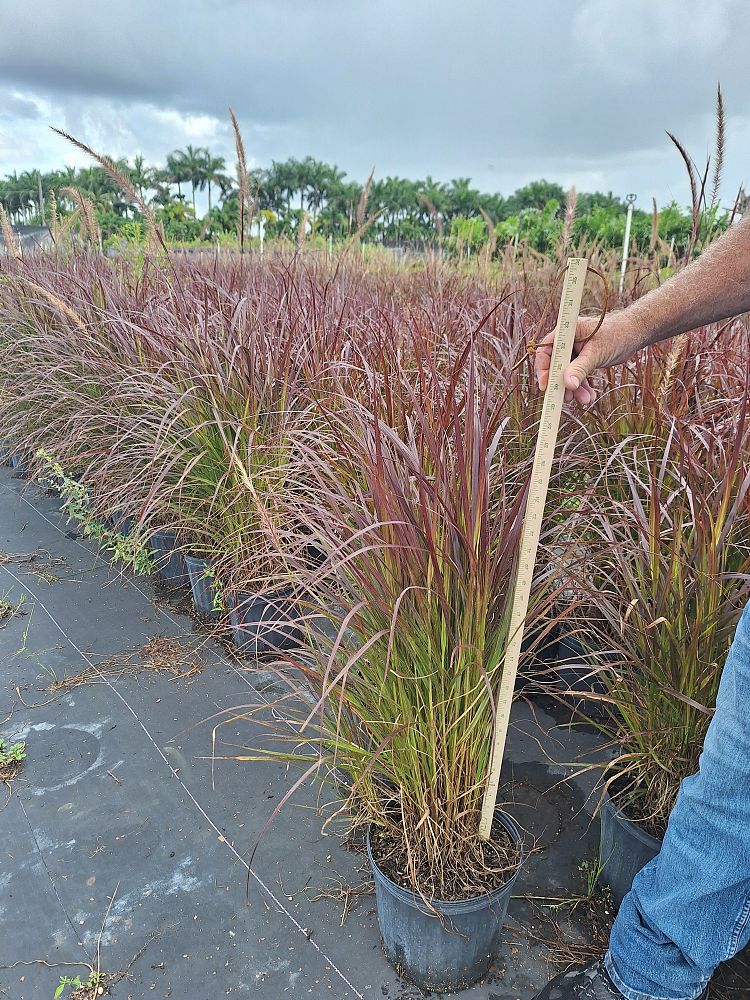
column 554, row 397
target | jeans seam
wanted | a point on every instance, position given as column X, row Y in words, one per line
column 739, row 927
column 637, row 994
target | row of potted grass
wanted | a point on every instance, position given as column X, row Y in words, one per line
column 347, row 454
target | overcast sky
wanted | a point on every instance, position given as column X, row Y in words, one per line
column 578, row 91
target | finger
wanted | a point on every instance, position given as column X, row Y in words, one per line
column 568, row 395
column 548, row 339
column 542, row 362
column 580, row 368
column 584, row 394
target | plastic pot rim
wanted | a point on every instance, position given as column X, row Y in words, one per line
column 610, row 806
column 167, row 534
column 190, row 557
column 446, row 906
column 236, row 598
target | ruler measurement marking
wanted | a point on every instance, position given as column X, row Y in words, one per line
column 567, row 318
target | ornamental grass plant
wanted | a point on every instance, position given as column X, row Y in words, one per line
column 667, row 567
column 419, row 522
column 385, row 418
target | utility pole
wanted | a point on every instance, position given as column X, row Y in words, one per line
column 630, row 199
column 41, row 200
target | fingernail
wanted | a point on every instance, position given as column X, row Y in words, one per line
column 575, row 381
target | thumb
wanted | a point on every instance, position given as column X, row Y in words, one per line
column 581, row 367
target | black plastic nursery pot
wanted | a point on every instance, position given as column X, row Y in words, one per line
column 169, row 562
column 19, row 465
column 265, row 623
column 122, row 523
column 624, row 848
column 201, row 584
column 577, row 677
column 5, row 453
column 449, row 953
column 560, row 668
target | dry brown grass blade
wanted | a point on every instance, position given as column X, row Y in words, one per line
column 8, row 772
column 341, row 891
column 39, row 563
column 162, row 654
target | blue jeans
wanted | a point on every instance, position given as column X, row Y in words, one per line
column 689, row 909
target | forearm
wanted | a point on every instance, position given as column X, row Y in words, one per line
column 713, row 287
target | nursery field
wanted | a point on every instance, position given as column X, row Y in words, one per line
column 116, row 794
column 259, row 527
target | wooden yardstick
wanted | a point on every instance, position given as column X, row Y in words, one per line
column 567, row 319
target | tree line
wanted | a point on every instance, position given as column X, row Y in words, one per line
column 319, row 196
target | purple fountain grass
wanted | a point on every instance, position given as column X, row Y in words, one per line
column 668, row 558
column 409, row 613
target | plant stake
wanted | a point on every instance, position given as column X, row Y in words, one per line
column 567, row 319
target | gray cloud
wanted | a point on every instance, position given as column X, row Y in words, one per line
column 503, row 92
column 14, row 107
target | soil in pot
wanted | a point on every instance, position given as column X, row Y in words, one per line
column 265, row 623
column 169, row 562
column 453, row 949
column 624, row 848
column 202, row 584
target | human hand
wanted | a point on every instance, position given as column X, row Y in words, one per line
column 618, row 338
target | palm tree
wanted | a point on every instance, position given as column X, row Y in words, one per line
column 273, row 188
column 28, row 189
column 101, row 189
column 436, row 194
column 160, row 184
column 303, row 171
column 177, row 170
column 141, row 176
column 194, row 159
column 67, row 177
column 463, row 198
column 323, row 180
column 212, row 167
column 13, row 195
column 282, row 183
